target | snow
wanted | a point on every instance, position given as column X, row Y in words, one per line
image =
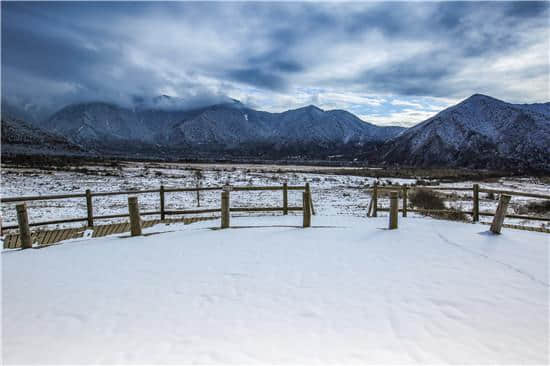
column 332, row 194
column 344, row 291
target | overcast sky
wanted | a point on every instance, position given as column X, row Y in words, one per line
column 386, row 62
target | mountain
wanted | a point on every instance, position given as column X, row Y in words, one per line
column 221, row 127
column 19, row 137
column 479, row 132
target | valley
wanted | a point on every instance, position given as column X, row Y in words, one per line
column 335, row 190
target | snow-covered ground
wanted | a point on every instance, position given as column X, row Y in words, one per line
column 344, row 291
column 332, row 193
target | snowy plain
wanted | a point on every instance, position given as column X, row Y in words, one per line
column 333, row 194
column 268, row 291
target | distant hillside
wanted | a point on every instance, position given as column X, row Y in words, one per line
column 480, row 132
column 19, row 137
column 223, row 127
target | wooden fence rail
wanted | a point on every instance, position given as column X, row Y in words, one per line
column 475, row 213
column 162, row 212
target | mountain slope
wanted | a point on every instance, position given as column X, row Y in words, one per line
column 218, row 127
column 480, row 132
column 19, row 137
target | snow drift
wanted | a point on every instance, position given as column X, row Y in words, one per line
column 345, row 290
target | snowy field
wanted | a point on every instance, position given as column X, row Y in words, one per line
column 332, row 194
column 344, row 291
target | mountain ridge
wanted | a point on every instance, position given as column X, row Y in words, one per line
column 479, row 132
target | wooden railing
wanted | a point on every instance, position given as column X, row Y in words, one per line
column 475, row 212
column 162, row 212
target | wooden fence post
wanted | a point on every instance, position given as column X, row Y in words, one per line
column 285, row 198
column 135, row 220
column 225, row 209
column 375, row 200
column 24, row 230
column 405, row 189
column 89, row 208
column 369, row 208
column 475, row 208
column 394, row 209
column 162, row 214
column 306, row 208
column 500, row 214
column 312, row 209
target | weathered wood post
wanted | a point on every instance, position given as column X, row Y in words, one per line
column 23, row 222
column 308, row 190
column 162, row 214
column 285, row 198
column 306, row 208
column 135, row 220
column 394, row 209
column 375, row 200
column 500, row 214
column 475, row 208
column 369, row 208
column 89, row 208
column 405, row 190
column 225, row 208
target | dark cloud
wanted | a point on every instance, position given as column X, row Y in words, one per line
column 258, row 77
column 60, row 52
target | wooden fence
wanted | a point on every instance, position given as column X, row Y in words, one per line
column 48, row 237
column 475, row 213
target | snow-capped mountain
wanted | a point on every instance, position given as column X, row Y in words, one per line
column 231, row 125
column 221, row 126
column 479, row 132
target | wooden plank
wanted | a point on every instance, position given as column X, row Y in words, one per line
column 190, row 212
column 521, row 227
column 48, row 236
column 515, row 193
column 255, row 209
column 192, row 189
column 110, row 228
column 40, row 237
column 56, row 235
column 512, row 216
column 66, row 234
column 439, row 188
column 41, row 198
column 117, row 193
column 258, row 188
column 98, row 231
column 10, row 240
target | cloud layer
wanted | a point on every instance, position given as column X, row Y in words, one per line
column 387, row 62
